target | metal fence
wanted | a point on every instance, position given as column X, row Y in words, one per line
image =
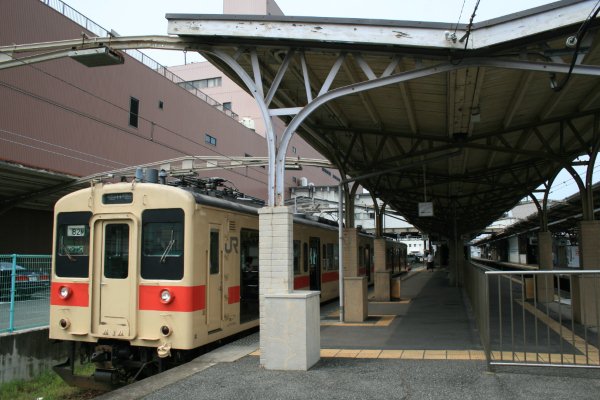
column 24, row 291
column 149, row 62
column 537, row 318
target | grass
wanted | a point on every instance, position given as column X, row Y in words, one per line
column 47, row 386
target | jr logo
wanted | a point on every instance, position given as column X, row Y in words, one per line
column 232, row 245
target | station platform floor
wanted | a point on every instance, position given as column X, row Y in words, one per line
column 424, row 346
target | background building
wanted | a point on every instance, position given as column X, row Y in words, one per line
column 61, row 120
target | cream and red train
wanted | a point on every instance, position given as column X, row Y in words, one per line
column 144, row 273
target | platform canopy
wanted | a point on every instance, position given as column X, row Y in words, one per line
column 470, row 118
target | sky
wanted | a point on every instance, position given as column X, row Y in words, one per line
column 147, row 17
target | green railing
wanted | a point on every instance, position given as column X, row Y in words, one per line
column 24, row 291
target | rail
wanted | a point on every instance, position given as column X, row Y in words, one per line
column 24, row 291
column 149, row 62
column 537, row 318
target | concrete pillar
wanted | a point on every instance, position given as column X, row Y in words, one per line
column 350, row 252
column 355, row 293
column 355, row 299
column 382, row 276
column 280, row 346
column 545, row 283
column 585, row 291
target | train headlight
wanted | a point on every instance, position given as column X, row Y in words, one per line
column 64, row 323
column 166, row 296
column 64, row 292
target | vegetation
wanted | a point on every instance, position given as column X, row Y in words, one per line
column 47, row 386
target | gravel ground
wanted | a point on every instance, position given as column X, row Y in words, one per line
column 335, row 378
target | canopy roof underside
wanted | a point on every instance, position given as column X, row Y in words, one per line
column 472, row 126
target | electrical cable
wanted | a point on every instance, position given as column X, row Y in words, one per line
column 60, row 147
column 470, row 26
column 578, row 38
column 460, row 16
column 466, row 35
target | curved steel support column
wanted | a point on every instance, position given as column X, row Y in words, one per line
column 258, row 95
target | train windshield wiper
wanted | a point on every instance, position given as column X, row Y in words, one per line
column 168, row 249
column 65, row 251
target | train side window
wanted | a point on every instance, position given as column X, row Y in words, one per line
column 214, row 251
column 162, row 244
column 72, row 244
column 330, row 256
column 336, row 256
column 305, row 257
column 296, row 257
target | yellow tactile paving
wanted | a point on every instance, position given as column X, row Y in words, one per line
column 348, row 353
column 458, row 355
column 476, row 355
column 369, row 354
column 412, row 354
column 329, row 352
column 434, row 355
column 381, row 320
column 391, row 354
column 577, row 342
column 455, row 355
column 401, row 301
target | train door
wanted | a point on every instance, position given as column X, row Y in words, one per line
column 249, row 275
column 314, row 263
column 215, row 280
column 114, row 273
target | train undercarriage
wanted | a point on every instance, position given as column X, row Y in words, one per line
column 116, row 364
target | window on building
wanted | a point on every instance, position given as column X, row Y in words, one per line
column 210, row 139
column 227, row 105
column 202, row 83
column 325, row 170
column 161, row 104
column 134, row 109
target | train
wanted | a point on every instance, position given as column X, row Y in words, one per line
column 145, row 274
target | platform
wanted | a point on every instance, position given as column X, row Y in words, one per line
column 424, row 346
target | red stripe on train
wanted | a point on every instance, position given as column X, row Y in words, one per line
column 233, row 294
column 330, row 276
column 79, row 296
column 301, row 282
column 185, row 298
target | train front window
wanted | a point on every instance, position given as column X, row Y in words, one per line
column 72, row 244
column 116, row 251
column 163, row 239
column 162, row 244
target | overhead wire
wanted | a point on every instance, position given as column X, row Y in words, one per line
column 459, row 16
column 466, row 35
